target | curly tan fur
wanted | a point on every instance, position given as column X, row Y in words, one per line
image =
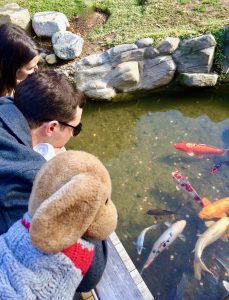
column 71, row 198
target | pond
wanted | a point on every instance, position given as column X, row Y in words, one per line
column 135, row 139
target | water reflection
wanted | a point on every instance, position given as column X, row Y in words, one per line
column 135, row 141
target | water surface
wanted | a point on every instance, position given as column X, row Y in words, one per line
column 135, row 141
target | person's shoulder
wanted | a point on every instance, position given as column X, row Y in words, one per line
column 6, row 100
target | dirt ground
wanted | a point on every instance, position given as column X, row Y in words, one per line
column 81, row 26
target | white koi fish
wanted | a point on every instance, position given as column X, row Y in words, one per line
column 213, row 233
column 165, row 240
column 226, row 285
column 141, row 237
column 184, row 184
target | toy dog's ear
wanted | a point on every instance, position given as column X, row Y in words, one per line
column 65, row 216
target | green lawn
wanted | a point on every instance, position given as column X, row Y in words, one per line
column 130, row 20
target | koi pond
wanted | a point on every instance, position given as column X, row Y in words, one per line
column 135, row 139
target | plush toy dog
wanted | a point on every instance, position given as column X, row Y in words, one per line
column 44, row 255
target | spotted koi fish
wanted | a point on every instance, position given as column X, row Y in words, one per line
column 215, row 168
column 184, row 184
column 164, row 241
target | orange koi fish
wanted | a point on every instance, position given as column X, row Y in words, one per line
column 215, row 209
column 199, row 149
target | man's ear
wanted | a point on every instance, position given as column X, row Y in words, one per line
column 49, row 127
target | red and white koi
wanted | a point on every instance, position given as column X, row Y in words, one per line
column 199, row 149
column 184, row 184
column 164, row 241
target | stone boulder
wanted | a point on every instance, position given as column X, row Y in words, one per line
column 13, row 13
column 67, row 45
column 156, row 72
column 124, row 68
column 195, row 55
column 198, row 79
column 45, row 24
column 143, row 43
column 125, row 76
column 168, row 45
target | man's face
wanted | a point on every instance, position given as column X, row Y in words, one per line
column 62, row 133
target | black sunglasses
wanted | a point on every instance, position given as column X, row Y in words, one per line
column 76, row 129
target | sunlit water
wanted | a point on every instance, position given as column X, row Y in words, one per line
column 135, row 141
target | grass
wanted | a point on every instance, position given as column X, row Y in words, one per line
column 69, row 7
column 133, row 19
column 130, row 20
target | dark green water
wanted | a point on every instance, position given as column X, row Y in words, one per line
column 135, row 141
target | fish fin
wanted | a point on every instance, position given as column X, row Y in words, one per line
column 200, row 155
column 177, row 188
column 220, row 215
column 168, row 224
column 198, row 267
column 226, row 285
column 182, row 237
column 224, row 237
column 191, row 153
column 209, row 223
column 205, row 201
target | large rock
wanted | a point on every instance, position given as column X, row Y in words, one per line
column 132, row 55
column 114, row 51
column 198, row 80
column 47, row 23
column 67, row 45
column 156, row 72
column 168, row 45
column 195, row 55
column 93, row 60
column 13, row 13
column 100, row 91
column 87, row 76
column 143, row 43
column 125, row 76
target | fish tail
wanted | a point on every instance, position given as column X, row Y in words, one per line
column 141, row 271
column 198, row 267
column 146, row 265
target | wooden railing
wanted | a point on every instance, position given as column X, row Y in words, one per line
column 121, row 280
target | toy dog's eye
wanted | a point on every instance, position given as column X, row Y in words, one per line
column 106, row 201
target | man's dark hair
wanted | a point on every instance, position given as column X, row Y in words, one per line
column 16, row 50
column 46, row 96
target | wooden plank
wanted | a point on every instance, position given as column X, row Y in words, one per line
column 116, row 282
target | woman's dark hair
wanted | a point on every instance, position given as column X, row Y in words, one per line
column 46, row 96
column 16, row 50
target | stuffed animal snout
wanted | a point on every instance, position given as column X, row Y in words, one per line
column 70, row 199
